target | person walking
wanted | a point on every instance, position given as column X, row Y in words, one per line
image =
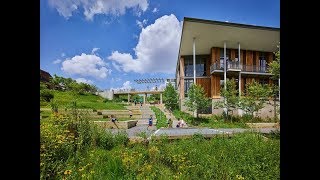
column 179, row 123
column 169, row 123
column 150, row 122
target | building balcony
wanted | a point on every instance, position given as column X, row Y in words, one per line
column 237, row 67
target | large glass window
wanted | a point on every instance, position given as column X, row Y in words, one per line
column 200, row 66
column 222, row 56
column 188, row 67
column 187, row 85
column 262, row 61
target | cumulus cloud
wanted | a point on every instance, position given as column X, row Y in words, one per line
column 94, row 50
column 161, row 87
column 126, row 86
column 89, row 65
column 157, row 49
column 93, row 7
column 141, row 23
column 83, row 80
column 57, row 61
column 116, row 66
column 155, row 10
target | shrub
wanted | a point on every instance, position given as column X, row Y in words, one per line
column 105, row 116
column 46, row 95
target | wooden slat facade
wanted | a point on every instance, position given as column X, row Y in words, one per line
column 212, row 84
column 269, row 57
column 206, row 84
column 215, row 86
column 233, row 54
column 215, row 55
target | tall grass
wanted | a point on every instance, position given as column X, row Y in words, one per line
column 243, row 156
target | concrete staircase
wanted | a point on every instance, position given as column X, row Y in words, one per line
column 145, row 114
column 169, row 114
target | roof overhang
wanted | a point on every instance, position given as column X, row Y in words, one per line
column 214, row 33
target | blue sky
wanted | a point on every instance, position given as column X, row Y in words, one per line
column 110, row 43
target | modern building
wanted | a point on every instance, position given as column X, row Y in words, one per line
column 223, row 50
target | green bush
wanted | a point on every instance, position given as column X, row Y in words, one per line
column 46, row 95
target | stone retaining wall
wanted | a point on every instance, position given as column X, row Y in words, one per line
column 117, row 125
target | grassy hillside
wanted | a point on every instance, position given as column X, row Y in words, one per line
column 87, row 101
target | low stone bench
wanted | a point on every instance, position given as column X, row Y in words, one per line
column 117, row 125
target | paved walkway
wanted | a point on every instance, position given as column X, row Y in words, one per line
column 176, row 133
column 142, row 124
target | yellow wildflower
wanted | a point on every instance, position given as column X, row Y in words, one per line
column 67, row 172
column 81, row 169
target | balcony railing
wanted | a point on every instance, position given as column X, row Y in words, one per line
column 236, row 66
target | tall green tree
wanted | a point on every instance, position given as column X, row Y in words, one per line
column 274, row 66
column 255, row 98
column 230, row 98
column 274, row 69
column 170, row 97
column 197, row 99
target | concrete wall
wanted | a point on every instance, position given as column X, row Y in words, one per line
column 117, row 124
column 106, row 94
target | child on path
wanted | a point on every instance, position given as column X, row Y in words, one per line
column 150, row 122
column 179, row 123
column 169, row 123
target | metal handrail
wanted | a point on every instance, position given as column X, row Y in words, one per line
column 237, row 65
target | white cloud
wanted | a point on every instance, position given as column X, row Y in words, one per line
column 126, row 86
column 135, row 36
column 93, row 7
column 157, row 49
column 63, row 54
column 83, row 80
column 88, row 65
column 162, row 86
column 57, row 61
column 116, row 66
column 155, row 10
column 94, row 50
column 140, row 24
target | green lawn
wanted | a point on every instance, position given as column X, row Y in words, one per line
column 87, row 101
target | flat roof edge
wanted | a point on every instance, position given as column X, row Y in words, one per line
column 189, row 19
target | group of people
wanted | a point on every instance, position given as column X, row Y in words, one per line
column 135, row 103
column 181, row 123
